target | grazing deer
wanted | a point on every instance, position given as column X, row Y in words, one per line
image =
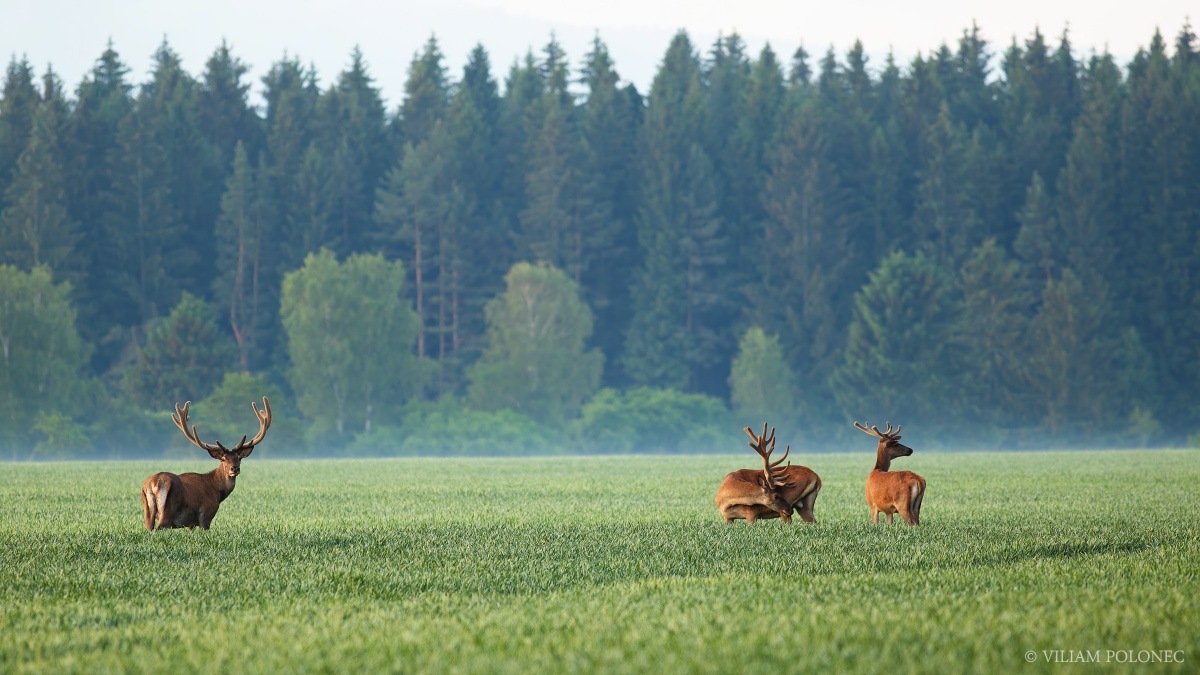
column 191, row 499
column 892, row 491
column 773, row 492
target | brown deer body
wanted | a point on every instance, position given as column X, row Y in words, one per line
column 890, row 492
column 770, row 492
column 192, row 499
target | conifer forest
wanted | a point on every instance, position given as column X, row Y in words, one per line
column 995, row 244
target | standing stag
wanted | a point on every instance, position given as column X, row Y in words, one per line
column 191, row 499
column 892, row 491
column 772, row 492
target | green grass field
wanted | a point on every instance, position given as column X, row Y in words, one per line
column 602, row 564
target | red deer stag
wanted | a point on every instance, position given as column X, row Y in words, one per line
column 191, row 499
column 892, row 491
column 772, row 492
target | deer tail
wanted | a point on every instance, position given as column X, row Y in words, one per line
column 154, row 499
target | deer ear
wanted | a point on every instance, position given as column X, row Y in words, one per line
column 217, row 454
column 245, row 452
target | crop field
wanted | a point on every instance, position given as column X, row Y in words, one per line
column 611, row 564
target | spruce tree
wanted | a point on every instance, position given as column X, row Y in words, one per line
column 18, row 100
column 35, row 226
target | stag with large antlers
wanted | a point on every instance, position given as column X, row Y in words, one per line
column 892, row 491
column 772, row 492
column 191, row 499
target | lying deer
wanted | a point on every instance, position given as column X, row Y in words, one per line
column 892, row 491
column 773, row 492
column 191, row 499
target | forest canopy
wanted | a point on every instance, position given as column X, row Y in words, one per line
column 995, row 245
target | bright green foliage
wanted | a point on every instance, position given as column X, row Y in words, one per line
column 184, row 357
column 762, row 386
column 350, row 334
column 447, row 428
column 536, row 362
column 225, row 415
column 603, row 564
column 61, row 436
column 648, row 419
column 42, row 357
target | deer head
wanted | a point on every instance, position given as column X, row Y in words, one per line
column 772, row 477
column 889, row 447
column 230, row 458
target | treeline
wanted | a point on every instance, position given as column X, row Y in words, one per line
column 993, row 246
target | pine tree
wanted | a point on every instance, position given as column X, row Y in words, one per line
column 353, row 141
column 35, row 227
column 608, row 123
column 104, row 102
column 677, row 337
column 225, row 119
column 944, row 218
column 992, row 336
column 291, row 95
column 519, row 117
column 1160, row 207
column 18, row 100
column 426, row 94
column 804, row 263
column 900, row 359
column 243, row 284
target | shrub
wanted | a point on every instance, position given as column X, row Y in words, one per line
column 647, row 419
column 447, row 429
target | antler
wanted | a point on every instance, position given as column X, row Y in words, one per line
column 264, row 423
column 180, row 418
column 874, row 431
column 764, row 445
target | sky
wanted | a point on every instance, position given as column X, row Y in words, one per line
column 70, row 35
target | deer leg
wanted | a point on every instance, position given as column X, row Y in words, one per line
column 889, row 517
column 874, row 517
column 164, row 514
column 916, row 509
column 806, row 507
column 147, row 510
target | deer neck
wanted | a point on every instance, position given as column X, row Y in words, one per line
column 220, row 479
column 882, row 461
